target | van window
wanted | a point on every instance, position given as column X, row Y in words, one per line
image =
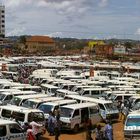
column 2, row 96
column 35, row 116
column 18, row 116
column 93, row 110
column 119, row 98
column 101, row 107
column 133, row 121
column 9, row 97
column 15, row 101
column 76, row 113
column 94, row 92
column 3, row 131
column 15, row 128
column 45, row 108
column 66, row 112
column 86, row 92
column 6, row 113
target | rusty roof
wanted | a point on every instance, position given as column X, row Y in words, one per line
column 44, row 39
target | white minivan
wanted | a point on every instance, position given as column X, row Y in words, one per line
column 10, row 130
column 22, row 114
column 132, row 126
column 107, row 108
column 73, row 116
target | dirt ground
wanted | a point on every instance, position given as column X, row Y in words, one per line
column 117, row 133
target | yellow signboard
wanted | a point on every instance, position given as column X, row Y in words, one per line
column 92, row 44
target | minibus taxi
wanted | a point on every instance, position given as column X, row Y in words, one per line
column 6, row 97
column 22, row 114
column 106, row 108
column 19, row 100
column 73, row 116
column 52, row 106
column 94, row 92
column 49, row 89
column 132, row 126
column 11, row 130
column 34, row 103
column 64, row 92
column 28, row 87
column 116, row 98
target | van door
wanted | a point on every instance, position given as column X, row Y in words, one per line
column 84, row 114
column 94, row 115
column 16, row 132
column 102, row 111
column 76, row 119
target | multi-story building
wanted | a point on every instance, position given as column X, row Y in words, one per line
column 2, row 21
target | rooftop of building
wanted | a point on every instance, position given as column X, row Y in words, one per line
column 44, row 39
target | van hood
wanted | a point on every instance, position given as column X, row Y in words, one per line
column 65, row 120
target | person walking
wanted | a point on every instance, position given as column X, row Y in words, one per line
column 88, row 127
column 57, row 124
column 108, row 131
column 99, row 133
column 36, row 129
column 30, row 134
column 51, row 123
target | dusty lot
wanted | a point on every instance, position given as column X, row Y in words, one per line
column 117, row 130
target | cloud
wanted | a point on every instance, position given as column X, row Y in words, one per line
column 138, row 31
column 103, row 3
column 17, row 31
column 55, row 34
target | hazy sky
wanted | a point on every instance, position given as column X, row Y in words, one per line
column 74, row 18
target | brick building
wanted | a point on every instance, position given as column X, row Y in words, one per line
column 40, row 44
column 104, row 50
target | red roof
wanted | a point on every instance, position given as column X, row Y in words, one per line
column 44, row 39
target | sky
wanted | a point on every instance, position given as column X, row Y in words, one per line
column 90, row 19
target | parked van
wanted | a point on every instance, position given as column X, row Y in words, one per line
column 49, row 89
column 19, row 100
column 21, row 114
column 6, row 97
column 34, row 103
column 106, row 108
column 64, row 92
column 132, row 126
column 116, row 98
column 95, row 92
column 52, row 106
column 73, row 116
column 28, row 87
column 11, row 130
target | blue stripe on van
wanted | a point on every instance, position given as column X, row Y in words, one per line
column 133, row 124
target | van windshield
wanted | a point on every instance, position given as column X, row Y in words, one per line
column 36, row 116
column 112, row 97
column 18, row 116
column 133, row 121
column 2, row 96
column 29, row 104
column 15, row 101
column 45, row 108
column 110, row 107
column 66, row 112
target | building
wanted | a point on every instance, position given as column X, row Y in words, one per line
column 119, row 49
column 103, row 50
column 2, row 21
column 40, row 44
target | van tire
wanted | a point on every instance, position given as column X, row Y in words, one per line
column 76, row 128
